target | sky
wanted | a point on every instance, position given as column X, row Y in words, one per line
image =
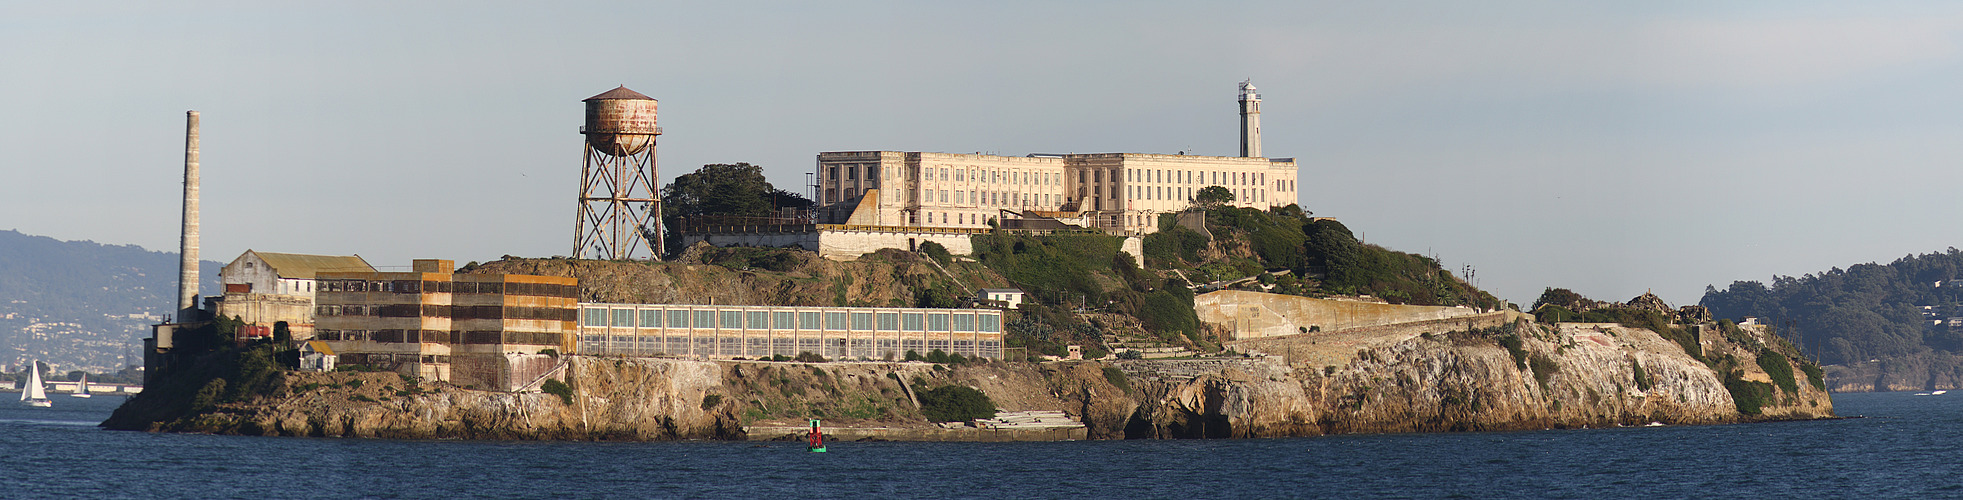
column 1611, row 148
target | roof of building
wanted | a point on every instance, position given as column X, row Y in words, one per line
column 320, row 347
column 301, row 266
column 620, row 92
column 1001, row 290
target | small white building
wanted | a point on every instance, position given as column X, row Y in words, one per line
column 316, row 356
column 1006, row 298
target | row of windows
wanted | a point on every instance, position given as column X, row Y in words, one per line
column 993, row 176
column 413, row 286
column 990, row 198
column 440, row 337
column 984, row 321
column 1161, row 176
column 863, row 348
column 446, row 311
column 1177, row 193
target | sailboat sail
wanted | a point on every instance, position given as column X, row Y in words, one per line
column 82, row 388
column 32, row 393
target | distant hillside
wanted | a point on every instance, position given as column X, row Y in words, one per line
column 1890, row 322
column 81, row 305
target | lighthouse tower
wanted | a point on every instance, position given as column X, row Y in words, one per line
column 1250, row 120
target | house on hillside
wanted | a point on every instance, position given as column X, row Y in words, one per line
column 1005, row 298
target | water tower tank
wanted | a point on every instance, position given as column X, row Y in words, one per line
column 620, row 122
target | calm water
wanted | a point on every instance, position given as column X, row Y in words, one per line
column 1909, row 446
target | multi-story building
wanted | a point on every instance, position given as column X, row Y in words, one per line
column 484, row 330
column 1123, row 192
column 265, row 288
column 761, row 331
column 1117, row 191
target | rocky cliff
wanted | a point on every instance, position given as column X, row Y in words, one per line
column 1526, row 376
column 1591, row 375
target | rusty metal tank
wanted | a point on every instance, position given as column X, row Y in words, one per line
column 620, row 122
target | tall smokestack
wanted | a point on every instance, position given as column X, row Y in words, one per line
column 1250, row 120
column 187, row 251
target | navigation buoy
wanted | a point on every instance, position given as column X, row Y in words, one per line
column 817, row 438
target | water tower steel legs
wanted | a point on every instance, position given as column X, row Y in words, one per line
column 619, row 207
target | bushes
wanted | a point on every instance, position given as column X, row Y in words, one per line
column 953, row 403
column 1750, row 397
column 1780, row 369
column 554, row 386
column 1543, row 367
column 1117, row 377
column 1814, row 375
column 937, row 252
column 1642, row 377
column 1514, row 347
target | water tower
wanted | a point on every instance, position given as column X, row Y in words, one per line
column 619, row 207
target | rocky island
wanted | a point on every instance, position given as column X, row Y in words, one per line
column 1244, row 353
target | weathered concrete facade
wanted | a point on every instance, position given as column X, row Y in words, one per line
column 265, row 288
column 711, row 331
column 483, row 330
column 1250, row 315
column 1115, row 191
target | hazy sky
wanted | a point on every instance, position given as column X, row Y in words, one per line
column 1608, row 147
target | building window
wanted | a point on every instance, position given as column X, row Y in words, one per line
column 650, row 318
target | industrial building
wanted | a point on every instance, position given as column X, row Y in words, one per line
column 265, row 288
column 760, row 331
column 481, row 330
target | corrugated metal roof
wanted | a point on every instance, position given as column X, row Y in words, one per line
column 620, row 92
column 320, row 347
column 299, row 266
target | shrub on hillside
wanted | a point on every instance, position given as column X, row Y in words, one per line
column 555, row 387
column 1780, row 369
column 954, row 403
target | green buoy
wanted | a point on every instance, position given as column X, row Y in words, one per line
column 817, row 438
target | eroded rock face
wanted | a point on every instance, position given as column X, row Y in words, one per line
column 1425, row 384
column 621, row 399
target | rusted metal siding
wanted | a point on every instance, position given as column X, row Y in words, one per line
column 621, row 127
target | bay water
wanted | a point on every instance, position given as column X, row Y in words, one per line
column 1905, row 446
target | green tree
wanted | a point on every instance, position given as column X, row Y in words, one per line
column 1213, row 195
column 719, row 189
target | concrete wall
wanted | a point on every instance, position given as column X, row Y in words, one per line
column 1255, row 315
column 266, row 309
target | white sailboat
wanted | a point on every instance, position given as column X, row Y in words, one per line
column 31, row 393
column 82, row 389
